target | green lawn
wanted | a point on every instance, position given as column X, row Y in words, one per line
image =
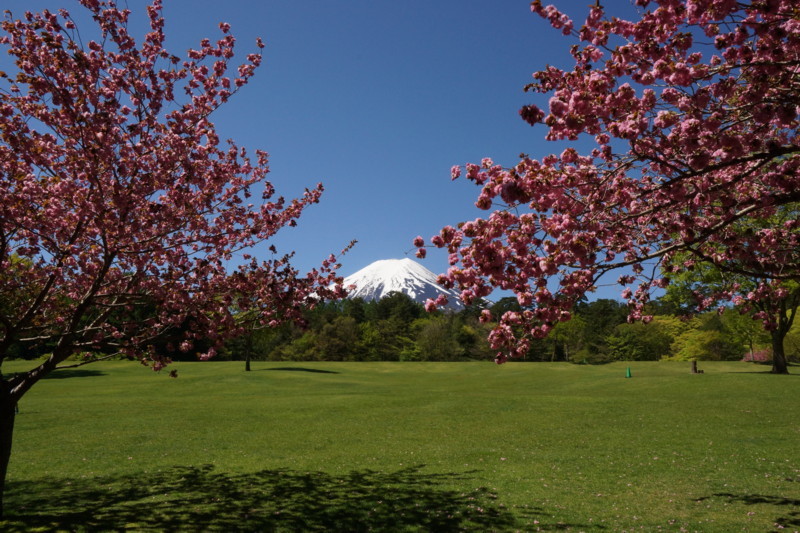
column 408, row 447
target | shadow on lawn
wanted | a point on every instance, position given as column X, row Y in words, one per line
column 301, row 369
column 73, row 373
column 792, row 512
column 200, row 499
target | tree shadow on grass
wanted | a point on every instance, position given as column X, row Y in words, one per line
column 301, row 369
column 200, row 499
column 766, row 369
column 73, row 373
column 791, row 505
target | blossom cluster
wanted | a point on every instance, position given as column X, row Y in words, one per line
column 118, row 194
column 763, row 355
column 693, row 112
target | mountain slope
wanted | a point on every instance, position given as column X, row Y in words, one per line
column 378, row 279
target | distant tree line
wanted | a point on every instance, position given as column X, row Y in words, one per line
column 396, row 328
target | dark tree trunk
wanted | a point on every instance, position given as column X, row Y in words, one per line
column 694, row 367
column 248, row 349
column 11, row 390
column 779, row 364
column 7, row 414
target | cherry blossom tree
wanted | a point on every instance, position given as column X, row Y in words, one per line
column 116, row 195
column 772, row 303
column 691, row 115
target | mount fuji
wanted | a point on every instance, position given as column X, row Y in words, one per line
column 378, row 279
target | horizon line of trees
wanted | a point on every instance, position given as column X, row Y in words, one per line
column 396, row 328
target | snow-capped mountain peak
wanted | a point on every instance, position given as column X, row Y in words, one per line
column 378, row 279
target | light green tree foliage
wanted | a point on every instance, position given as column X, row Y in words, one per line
column 398, row 329
column 568, row 339
column 706, row 340
column 773, row 303
column 600, row 317
column 339, row 340
column 372, row 342
column 302, row 348
column 264, row 341
column 746, row 330
column 792, row 342
column 645, row 342
column 472, row 336
column 434, row 340
column 398, row 306
column 447, row 337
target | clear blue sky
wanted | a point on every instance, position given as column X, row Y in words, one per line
column 377, row 99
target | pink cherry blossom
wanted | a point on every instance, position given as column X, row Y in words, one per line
column 124, row 216
column 694, row 136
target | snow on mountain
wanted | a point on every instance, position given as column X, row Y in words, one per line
column 378, row 279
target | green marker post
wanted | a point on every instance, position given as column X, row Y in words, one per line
column 628, row 372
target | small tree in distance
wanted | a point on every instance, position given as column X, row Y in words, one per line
column 693, row 110
column 116, row 195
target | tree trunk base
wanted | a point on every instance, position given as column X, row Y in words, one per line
column 779, row 363
column 7, row 415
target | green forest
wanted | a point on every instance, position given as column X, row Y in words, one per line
column 396, row 328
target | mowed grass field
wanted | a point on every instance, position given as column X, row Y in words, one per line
column 407, row 447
